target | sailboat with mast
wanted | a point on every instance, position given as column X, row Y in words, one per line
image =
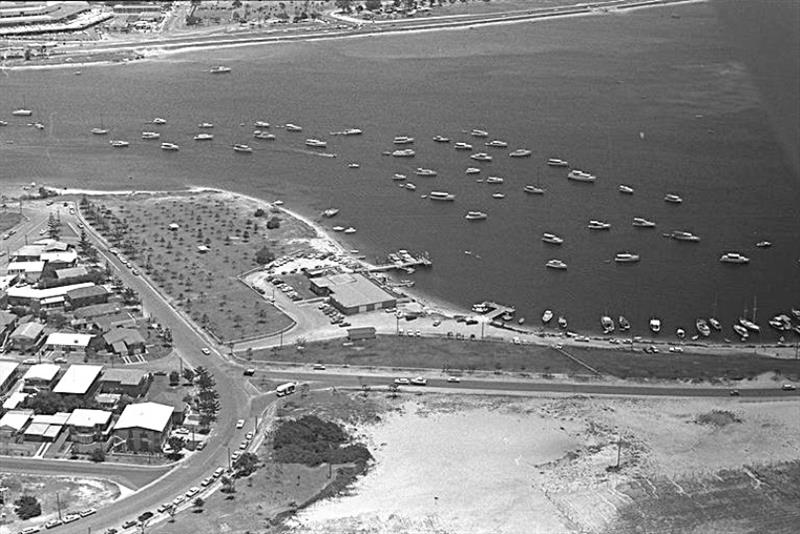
column 750, row 324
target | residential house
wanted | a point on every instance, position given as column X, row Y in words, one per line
column 144, row 427
column 36, row 298
column 86, row 296
column 40, row 377
column 174, row 399
column 131, row 382
column 8, row 322
column 8, row 375
column 13, row 423
column 45, row 427
column 89, row 426
column 67, row 342
column 29, row 271
column 124, row 341
column 79, row 380
column 27, row 337
column 121, row 319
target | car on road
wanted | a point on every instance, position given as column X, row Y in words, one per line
column 52, row 523
column 676, row 349
column 243, row 445
column 177, row 501
column 29, row 530
column 134, row 272
column 240, row 423
column 419, row 381
column 453, row 379
column 206, row 351
column 248, row 436
column 319, row 367
column 194, row 490
column 734, row 393
column 87, row 512
column 788, row 387
column 164, row 507
column 401, row 381
column 111, row 531
column 207, row 481
column 437, row 322
column 249, row 372
column 129, row 523
column 218, row 472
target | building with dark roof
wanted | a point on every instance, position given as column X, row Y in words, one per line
column 352, row 293
column 27, row 336
column 124, row 341
column 86, row 296
column 131, row 382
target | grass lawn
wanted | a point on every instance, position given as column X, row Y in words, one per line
column 8, row 220
column 435, row 353
column 202, row 283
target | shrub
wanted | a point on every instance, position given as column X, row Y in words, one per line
column 98, row 455
column 27, row 506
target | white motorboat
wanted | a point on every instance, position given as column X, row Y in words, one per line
column 410, row 186
column 330, row 212
column 119, row 143
column 399, row 177
column 672, row 198
column 170, row 147
column 159, row 120
column 353, row 165
column 641, row 222
column 520, row 153
column 476, row 216
column 205, row 125
column 594, row 224
column 702, row 327
column 496, row 143
column 150, row 135
column 462, row 146
column 316, row 143
column 555, row 162
column 556, row 264
column 22, row 112
column 245, row 149
column 562, row 322
column 99, row 131
column 735, row 258
column 680, row 332
column 3, row 123
column 750, row 325
column 741, row 331
column 219, row 69
column 547, row 316
column 203, row 137
column 494, row 180
column 498, row 196
column 578, row 175
column 481, row 156
column 352, row 131
column 626, row 257
column 441, row 139
column 479, row 133
column 264, row 136
column 552, row 239
column 261, row 124
column 472, row 170
column 764, row 244
column 292, row 127
column 403, row 140
column 441, row 196
column 715, row 324
column 533, row 190
column 682, row 235
column 404, row 153
column 655, row 325
column 607, row 323
column 625, row 189
column 624, row 324
column 421, row 171
column 349, row 230
column 338, row 228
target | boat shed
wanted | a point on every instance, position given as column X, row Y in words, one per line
column 352, row 292
column 79, row 380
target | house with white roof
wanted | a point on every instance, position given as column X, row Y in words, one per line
column 39, row 377
column 88, row 426
column 144, row 426
column 67, row 342
column 40, row 298
column 46, row 427
column 79, row 380
column 8, row 374
column 30, row 271
column 27, row 336
column 14, row 422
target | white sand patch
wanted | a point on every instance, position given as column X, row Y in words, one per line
column 468, row 471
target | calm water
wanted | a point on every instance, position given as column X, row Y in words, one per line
column 662, row 103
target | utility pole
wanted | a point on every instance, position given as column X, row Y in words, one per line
column 619, row 450
column 58, row 505
column 229, row 458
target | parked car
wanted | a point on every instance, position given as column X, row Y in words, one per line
column 218, row 472
column 453, row 379
column 319, row 367
column 164, row 507
column 419, row 381
column 29, row 530
column 130, row 523
column 87, row 512
column 52, row 523
column 248, row 436
column 206, row 351
column 788, row 387
column 111, row 531
column 734, row 393
column 401, row 381
column 192, row 492
column 240, row 423
column 249, row 372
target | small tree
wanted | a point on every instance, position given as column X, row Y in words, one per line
column 174, row 378
column 27, row 506
column 98, row 455
column 188, row 374
column 198, row 505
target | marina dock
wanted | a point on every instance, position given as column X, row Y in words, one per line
column 402, row 260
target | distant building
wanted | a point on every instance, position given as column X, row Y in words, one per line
column 14, row 422
column 352, row 293
column 8, row 374
column 144, row 427
column 70, row 275
column 87, row 296
column 40, row 377
column 131, row 382
column 122, row 319
column 79, row 381
column 35, row 298
column 27, row 337
column 364, row 332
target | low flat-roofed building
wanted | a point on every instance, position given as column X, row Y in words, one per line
column 63, row 258
column 108, row 401
column 88, row 426
column 8, row 322
column 122, row 319
column 14, row 422
column 15, row 400
column 46, row 427
column 79, row 380
column 27, row 336
column 86, row 296
column 144, row 426
column 124, row 341
column 352, row 292
column 98, row 310
column 28, row 253
column 40, row 377
column 67, row 342
column 31, row 296
column 131, row 382
column 8, row 374
column 71, row 273
column 30, row 271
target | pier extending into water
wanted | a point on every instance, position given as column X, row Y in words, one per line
column 402, row 260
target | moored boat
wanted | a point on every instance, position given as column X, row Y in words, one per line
column 641, row 222
column 150, row 135
column 170, row 147
column 292, row 127
column 552, row 239
column 624, row 324
column 403, row 140
column 99, row 131
column 265, row 136
column 494, row 180
column 441, row 139
column 159, row 120
column 626, row 257
column 219, row 69
column 562, row 322
column 261, row 124
column 338, row 228
column 476, row 216
column 472, row 170
column 607, row 323
column 672, row 198
column 555, row 162
column 742, row 331
column 441, row 196
column 520, row 153
column 578, row 175
column 764, row 244
column 625, row 189
column 702, row 327
column 533, row 190
column 478, row 133
column 547, row 316
column 398, row 177
column 496, row 143
column 410, row 186
column 245, row 149
column 349, row 230
column 404, row 153
column 462, row 146
column 316, row 143
column 22, row 112
column 422, row 171
column 734, row 258
column 481, row 156
column 330, row 212
column 498, row 195
column 205, row 125
column 715, row 324
column 680, row 332
column 750, row 325
column 655, row 325
column 594, row 224
column 682, row 235
column 119, row 143
column 556, row 264
column 204, row 137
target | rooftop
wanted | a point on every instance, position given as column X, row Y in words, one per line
column 35, row 266
column 72, row 272
column 84, row 418
column 353, row 290
column 67, row 339
column 42, row 371
column 28, row 251
column 66, row 256
column 16, row 419
column 125, row 377
column 7, row 369
column 147, row 415
column 27, row 331
column 87, row 291
column 129, row 336
column 96, row 310
column 78, row 379
column 31, row 292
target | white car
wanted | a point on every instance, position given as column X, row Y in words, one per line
column 192, row 492
column 240, row 423
column 453, row 379
column 206, row 351
column 401, row 381
column 248, row 436
column 419, row 381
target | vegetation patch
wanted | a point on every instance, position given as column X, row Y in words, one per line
column 311, row 441
column 718, row 418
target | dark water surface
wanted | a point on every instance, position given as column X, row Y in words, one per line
column 659, row 102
